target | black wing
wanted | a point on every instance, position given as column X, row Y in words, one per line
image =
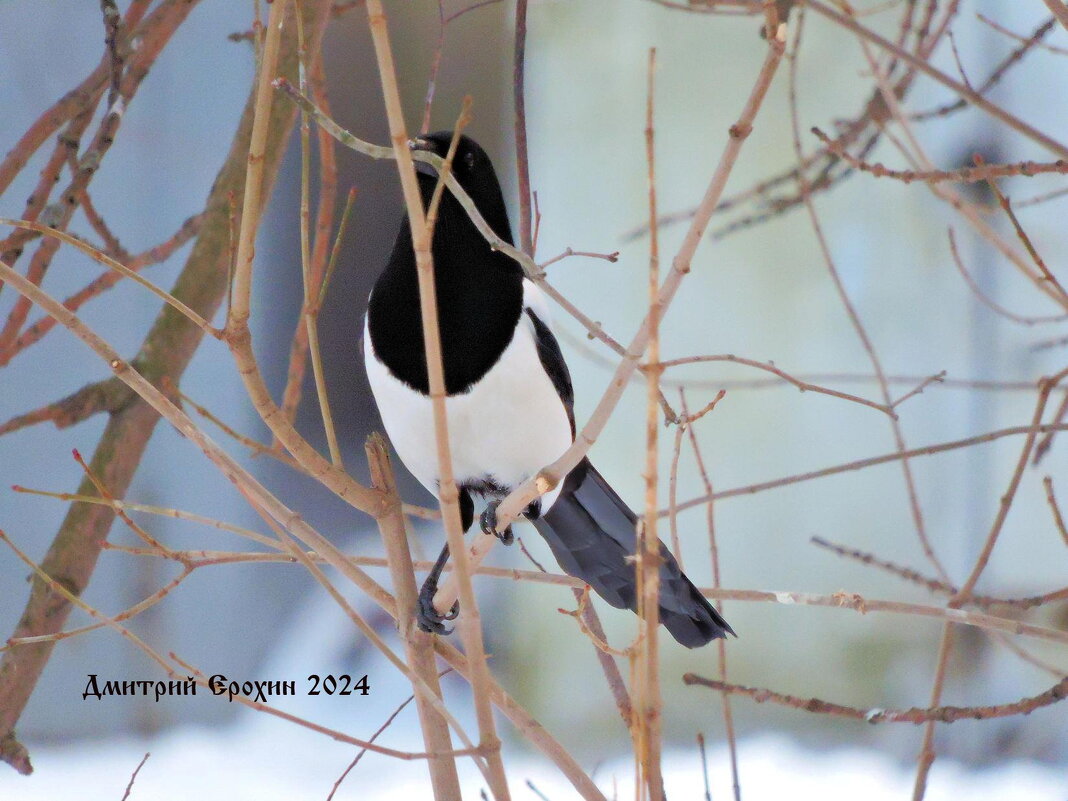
column 592, row 532
column 552, row 360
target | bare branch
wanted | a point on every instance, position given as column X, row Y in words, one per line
column 915, row 715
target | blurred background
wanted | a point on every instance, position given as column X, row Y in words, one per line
column 762, row 292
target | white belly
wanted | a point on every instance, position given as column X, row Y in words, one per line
column 508, row 426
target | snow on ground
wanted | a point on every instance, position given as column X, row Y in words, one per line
column 269, row 761
column 263, row 758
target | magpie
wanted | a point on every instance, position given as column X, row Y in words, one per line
column 509, row 400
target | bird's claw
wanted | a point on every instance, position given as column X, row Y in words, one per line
column 488, row 522
column 428, row 618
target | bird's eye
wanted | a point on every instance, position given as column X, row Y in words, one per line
column 469, row 159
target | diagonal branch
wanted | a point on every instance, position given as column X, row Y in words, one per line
column 1059, row 10
column 166, row 352
column 551, row 475
column 915, row 715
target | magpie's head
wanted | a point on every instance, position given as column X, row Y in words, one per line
column 474, row 172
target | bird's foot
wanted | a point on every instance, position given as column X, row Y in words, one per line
column 533, row 510
column 428, row 618
column 488, row 522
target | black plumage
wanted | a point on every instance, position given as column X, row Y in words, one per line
column 484, row 305
column 591, row 532
column 479, row 290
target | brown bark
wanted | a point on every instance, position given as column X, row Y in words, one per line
column 165, row 354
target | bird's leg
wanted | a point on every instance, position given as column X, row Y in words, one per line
column 488, row 522
column 428, row 618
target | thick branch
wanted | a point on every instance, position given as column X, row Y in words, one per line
column 165, row 353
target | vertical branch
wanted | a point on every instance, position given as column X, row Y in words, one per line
column 418, row 645
column 552, row 474
column 927, row 754
column 522, row 162
column 214, row 243
column 713, row 547
column 432, row 82
column 648, row 728
column 237, row 333
column 321, row 251
column 311, row 290
column 165, row 353
column 253, row 203
column 470, row 623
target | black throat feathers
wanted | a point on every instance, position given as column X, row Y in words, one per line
column 479, row 295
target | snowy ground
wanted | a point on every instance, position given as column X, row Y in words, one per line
column 262, row 758
column 261, row 761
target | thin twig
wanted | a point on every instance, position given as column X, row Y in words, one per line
column 713, row 546
column 704, row 763
column 312, row 272
column 122, row 269
column 769, row 367
column 860, row 464
column 1058, row 518
column 133, row 777
column 986, row 300
column 1021, row 234
column 915, row 715
column 1022, row 39
column 922, row 65
column 359, row 755
column 157, row 32
column 522, row 158
column 974, row 174
column 1044, row 444
column 103, row 282
column 854, row 317
column 934, row 585
column 551, row 475
column 937, row 378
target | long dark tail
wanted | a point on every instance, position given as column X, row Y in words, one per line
column 591, row 532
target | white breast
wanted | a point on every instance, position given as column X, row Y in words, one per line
column 509, row 425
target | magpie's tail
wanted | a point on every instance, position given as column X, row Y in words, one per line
column 591, row 532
